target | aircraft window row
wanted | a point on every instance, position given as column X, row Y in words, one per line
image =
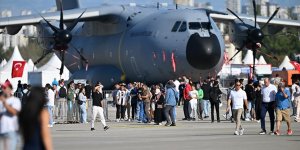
column 198, row 25
column 181, row 25
column 176, row 26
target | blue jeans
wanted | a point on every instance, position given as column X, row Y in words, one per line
column 267, row 107
column 50, row 110
column 140, row 111
column 70, row 111
column 83, row 114
column 10, row 139
column 248, row 115
column 205, row 107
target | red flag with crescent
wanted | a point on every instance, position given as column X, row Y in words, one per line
column 173, row 62
column 17, row 69
column 296, row 65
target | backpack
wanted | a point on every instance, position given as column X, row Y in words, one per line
column 62, row 92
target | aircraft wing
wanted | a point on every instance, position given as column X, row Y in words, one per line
column 69, row 15
column 260, row 20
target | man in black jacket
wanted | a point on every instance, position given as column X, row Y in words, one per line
column 206, row 88
column 249, row 89
column 214, row 96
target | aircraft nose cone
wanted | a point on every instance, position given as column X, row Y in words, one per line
column 203, row 52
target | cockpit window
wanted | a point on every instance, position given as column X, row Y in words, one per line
column 176, row 26
column 198, row 25
column 183, row 27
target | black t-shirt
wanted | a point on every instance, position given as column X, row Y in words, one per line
column 88, row 91
column 134, row 97
column 97, row 99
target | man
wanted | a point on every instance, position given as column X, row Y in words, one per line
column 293, row 102
column 10, row 107
column 170, row 103
column 214, row 95
column 206, row 88
column 62, row 97
column 249, row 89
column 50, row 104
column 181, row 89
column 282, row 109
column 134, row 99
column 97, row 108
column 140, row 104
column 71, row 101
column 268, row 105
column 238, row 99
column 88, row 90
column 186, row 99
column 146, row 97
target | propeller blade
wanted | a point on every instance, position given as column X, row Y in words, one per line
column 61, row 70
column 235, row 54
column 255, row 12
column 54, row 29
column 71, row 27
column 81, row 57
column 236, row 16
column 274, row 14
column 254, row 56
column 61, row 21
column 267, row 47
column 42, row 57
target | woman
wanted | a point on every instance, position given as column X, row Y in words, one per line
column 34, row 119
column 70, row 101
column 159, row 99
column 82, row 105
column 193, row 102
column 258, row 100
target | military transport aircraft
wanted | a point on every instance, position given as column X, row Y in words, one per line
column 149, row 44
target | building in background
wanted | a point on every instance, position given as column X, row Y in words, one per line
column 185, row 2
column 234, row 5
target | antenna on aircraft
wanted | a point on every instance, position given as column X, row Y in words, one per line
column 157, row 6
column 176, row 6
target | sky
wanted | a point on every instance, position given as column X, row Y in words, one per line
column 45, row 4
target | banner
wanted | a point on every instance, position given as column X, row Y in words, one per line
column 296, row 65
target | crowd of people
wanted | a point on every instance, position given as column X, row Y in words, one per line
column 32, row 115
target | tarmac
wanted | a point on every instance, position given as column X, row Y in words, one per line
column 187, row 135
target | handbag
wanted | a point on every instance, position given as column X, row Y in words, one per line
column 79, row 102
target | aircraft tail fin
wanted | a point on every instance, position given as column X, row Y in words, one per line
column 67, row 4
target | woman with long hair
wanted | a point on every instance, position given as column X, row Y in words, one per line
column 82, row 105
column 34, row 119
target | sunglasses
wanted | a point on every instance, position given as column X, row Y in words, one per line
column 237, row 85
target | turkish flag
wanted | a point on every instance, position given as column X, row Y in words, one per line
column 17, row 69
column 296, row 65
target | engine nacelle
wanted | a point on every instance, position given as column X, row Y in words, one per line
column 239, row 32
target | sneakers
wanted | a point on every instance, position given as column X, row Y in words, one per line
column 168, row 124
column 50, row 125
column 241, row 131
column 225, row 116
column 173, row 125
column 92, row 129
column 262, row 132
column 247, row 119
column 289, row 132
column 236, row 133
column 277, row 132
column 271, row 133
column 106, row 128
column 118, row 120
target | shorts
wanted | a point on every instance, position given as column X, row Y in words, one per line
column 283, row 114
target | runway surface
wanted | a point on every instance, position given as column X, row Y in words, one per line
column 187, row 135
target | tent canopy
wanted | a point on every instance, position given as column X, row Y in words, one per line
column 262, row 60
column 248, row 59
column 286, row 64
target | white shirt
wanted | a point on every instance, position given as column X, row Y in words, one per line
column 294, row 86
column 268, row 93
column 121, row 97
column 51, row 97
column 193, row 94
column 9, row 123
column 237, row 98
column 177, row 83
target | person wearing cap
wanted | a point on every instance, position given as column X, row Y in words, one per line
column 283, row 108
column 10, row 108
column 97, row 108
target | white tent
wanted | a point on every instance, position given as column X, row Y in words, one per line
column 3, row 63
column 5, row 72
column 31, row 66
column 286, row 64
column 248, row 59
column 46, row 73
column 262, row 60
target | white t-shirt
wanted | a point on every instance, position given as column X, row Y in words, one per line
column 269, row 93
column 177, row 83
column 237, row 98
column 193, row 94
column 51, row 97
column 9, row 123
column 294, row 86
